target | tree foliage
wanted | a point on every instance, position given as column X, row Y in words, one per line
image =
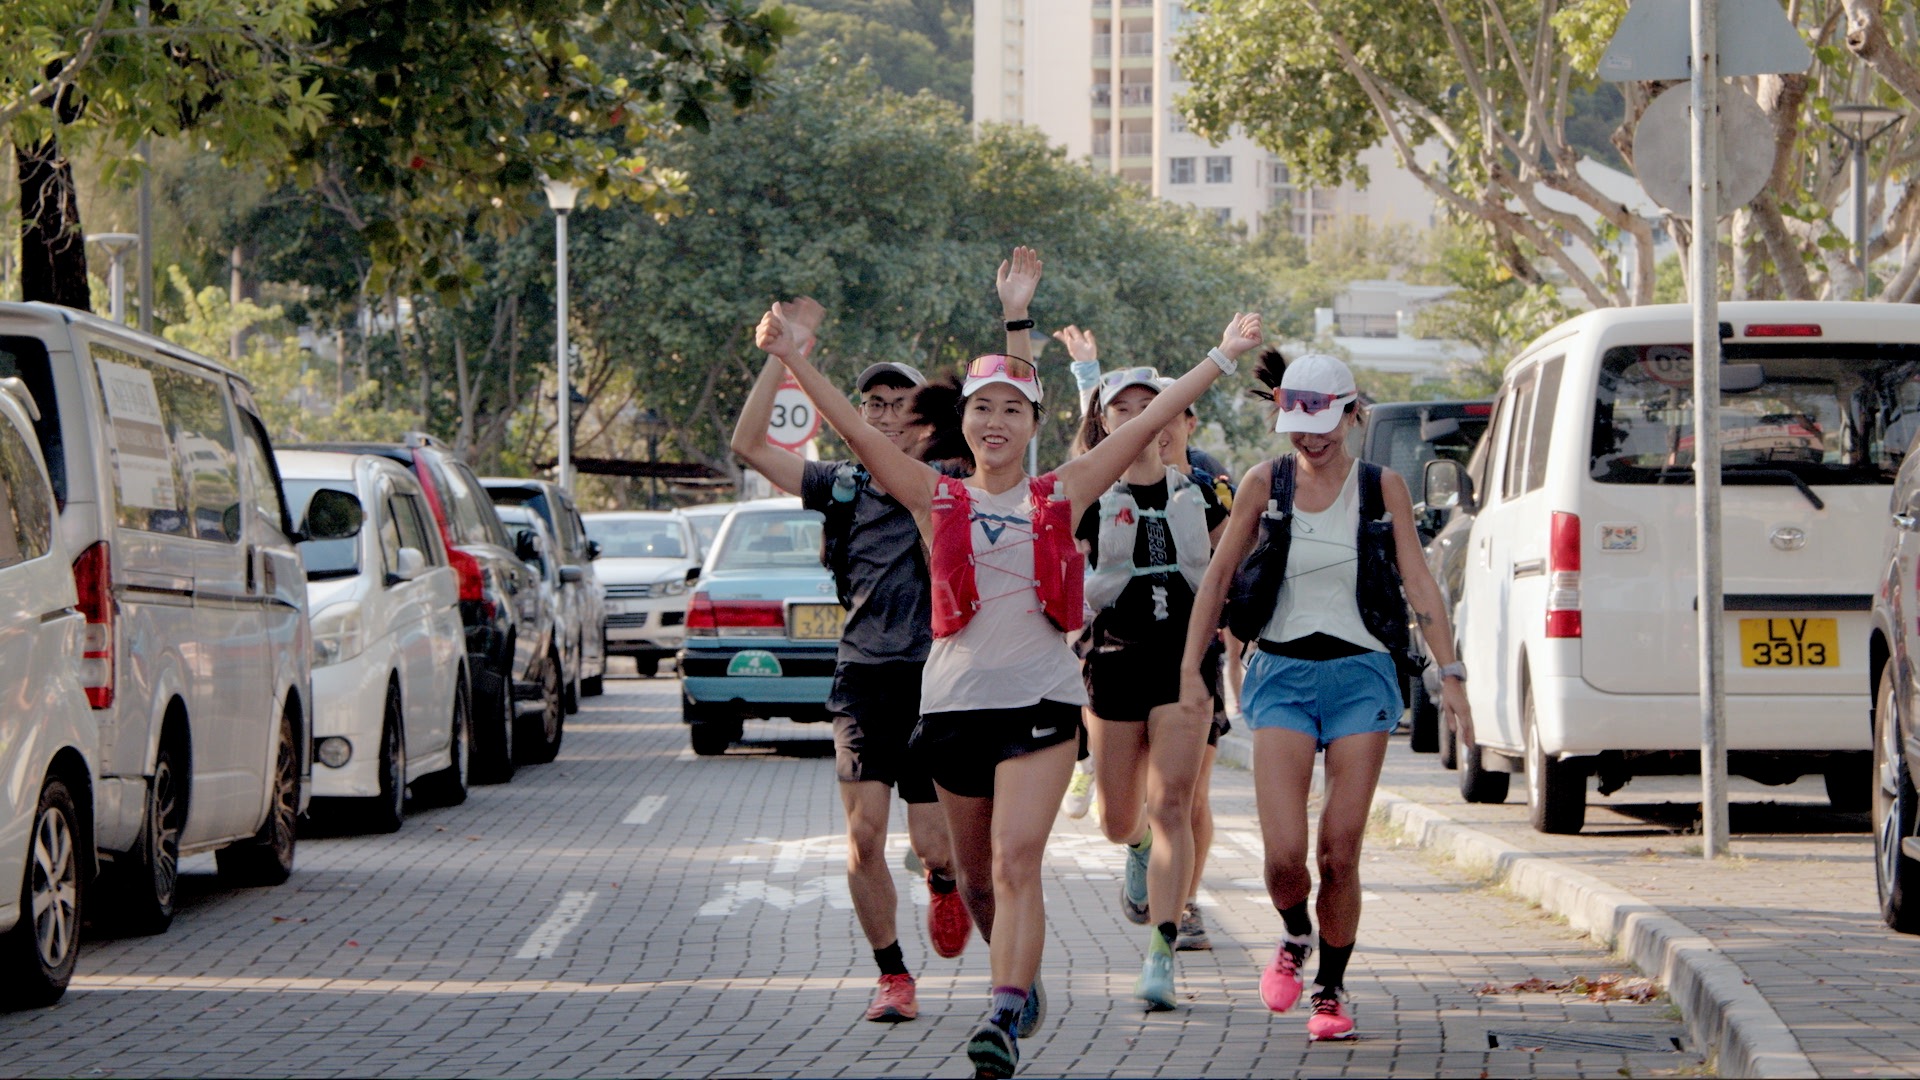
column 910, row 45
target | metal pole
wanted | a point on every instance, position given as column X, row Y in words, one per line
column 145, row 209
column 117, row 286
column 1706, row 423
column 1860, row 207
column 560, row 344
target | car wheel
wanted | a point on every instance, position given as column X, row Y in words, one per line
column 711, row 738
column 38, row 954
column 1896, row 877
column 1423, row 719
column 267, row 859
column 1850, row 783
column 541, row 731
column 493, row 761
column 384, row 812
column 647, row 665
column 1479, row 784
column 143, row 885
column 448, row 787
column 1556, row 790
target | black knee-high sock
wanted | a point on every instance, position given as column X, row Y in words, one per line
column 1299, row 923
column 891, row 960
column 1333, row 965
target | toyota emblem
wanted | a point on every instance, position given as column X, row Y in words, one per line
column 1789, row 538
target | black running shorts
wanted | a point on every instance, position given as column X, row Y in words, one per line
column 962, row 749
column 874, row 708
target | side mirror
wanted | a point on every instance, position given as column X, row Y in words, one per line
column 333, row 515
column 572, row 575
column 693, row 575
column 593, row 550
column 525, row 547
column 1447, row 486
column 410, row 565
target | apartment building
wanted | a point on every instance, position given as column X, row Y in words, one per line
column 1098, row 77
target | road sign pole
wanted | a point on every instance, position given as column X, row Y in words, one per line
column 1705, row 255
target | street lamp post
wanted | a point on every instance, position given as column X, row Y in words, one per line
column 1861, row 117
column 117, row 245
column 560, row 196
column 652, row 425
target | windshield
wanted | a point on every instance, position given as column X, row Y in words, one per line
column 639, row 538
column 1826, row 413
column 705, row 528
column 323, row 558
column 786, row 538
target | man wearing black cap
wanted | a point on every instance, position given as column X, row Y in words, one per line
column 873, row 548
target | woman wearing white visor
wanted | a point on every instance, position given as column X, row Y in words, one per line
column 1318, row 565
column 1001, row 697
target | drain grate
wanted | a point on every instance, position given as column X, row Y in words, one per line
column 1576, row 1042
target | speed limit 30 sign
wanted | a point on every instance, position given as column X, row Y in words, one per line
column 795, row 420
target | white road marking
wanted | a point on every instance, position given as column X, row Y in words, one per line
column 546, row 937
column 738, row 895
column 644, row 810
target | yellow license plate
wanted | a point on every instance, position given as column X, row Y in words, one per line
column 1786, row 643
column 815, row 622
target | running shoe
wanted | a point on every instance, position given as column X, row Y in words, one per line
column 948, row 925
column 893, row 1000
column 994, row 1051
column 1331, row 1018
column 1133, row 890
column 1034, row 1011
column 1280, row 982
column 1193, row 931
column 1079, row 790
column 1156, row 976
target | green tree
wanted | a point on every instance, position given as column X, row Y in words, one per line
column 911, row 45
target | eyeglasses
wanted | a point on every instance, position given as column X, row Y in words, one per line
column 1012, row 367
column 1311, row 402
column 874, row 406
column 1114, row 380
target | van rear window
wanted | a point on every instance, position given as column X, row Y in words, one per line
column 1817, row 413
column 25, row 358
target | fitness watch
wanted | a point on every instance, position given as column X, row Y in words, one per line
column 1455, row 670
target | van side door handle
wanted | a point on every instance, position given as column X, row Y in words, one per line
column 1908, row 522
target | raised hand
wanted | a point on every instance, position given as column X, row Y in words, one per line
column 1242, row 334
column 1080, row 344
column 1019, row 276
column 772, row 335
column 802, row 314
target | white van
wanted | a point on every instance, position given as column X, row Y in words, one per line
column 1576, row 619
column 196, row 646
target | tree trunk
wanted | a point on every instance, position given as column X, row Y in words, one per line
column 53, row 249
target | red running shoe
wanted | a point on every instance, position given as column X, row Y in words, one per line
column 1331, row 1018
column 948, row 924
column 1280, row 982
column 893, row 1001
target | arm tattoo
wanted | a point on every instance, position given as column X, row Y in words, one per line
column 1425, row 620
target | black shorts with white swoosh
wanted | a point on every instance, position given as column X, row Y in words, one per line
column 962, row 749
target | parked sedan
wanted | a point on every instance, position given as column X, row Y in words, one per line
column 647, row 562
column 763, row 626
column 1895, row 667
column 706, row 519
column 583, row 613
column 539, row 719
column 390, row 684
column 48, row 736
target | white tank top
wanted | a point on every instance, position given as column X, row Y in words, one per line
column 1009, row 656
column 1323, row 572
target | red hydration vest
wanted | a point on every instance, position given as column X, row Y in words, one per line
column 1059, row 569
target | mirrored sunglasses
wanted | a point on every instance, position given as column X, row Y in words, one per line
column 1012, row 367
column 1311, row 402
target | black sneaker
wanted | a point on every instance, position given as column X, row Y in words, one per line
column 994, row 1051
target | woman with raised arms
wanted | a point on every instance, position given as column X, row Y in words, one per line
column 1001, row 700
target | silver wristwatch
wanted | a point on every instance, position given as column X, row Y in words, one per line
column 1455, row 670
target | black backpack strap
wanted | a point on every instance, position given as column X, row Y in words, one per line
column 1280, row 484
column 1373, row 505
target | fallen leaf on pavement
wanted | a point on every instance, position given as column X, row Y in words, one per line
column 289, row 918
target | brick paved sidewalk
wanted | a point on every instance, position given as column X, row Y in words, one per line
column 633, row 910
column 1794, row 907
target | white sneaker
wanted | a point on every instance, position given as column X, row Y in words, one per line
column 1079, row 790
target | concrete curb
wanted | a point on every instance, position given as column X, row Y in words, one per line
column 1723, row 1012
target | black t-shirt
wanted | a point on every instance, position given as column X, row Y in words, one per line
column 1152, row 608
column 892, row 614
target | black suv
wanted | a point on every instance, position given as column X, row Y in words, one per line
column 508, row 628
column 583, row 606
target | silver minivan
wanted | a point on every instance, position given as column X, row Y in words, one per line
column 196, row 649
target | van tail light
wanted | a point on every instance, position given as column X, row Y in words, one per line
column 1563, row 577
column 473, row 583
column 1783, row 330
column 735, row 618
column 93, row 581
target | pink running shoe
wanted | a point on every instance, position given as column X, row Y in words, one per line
column 1280, row 982
column 949, row 926
column 1331, row 1018
column 893, row 1001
